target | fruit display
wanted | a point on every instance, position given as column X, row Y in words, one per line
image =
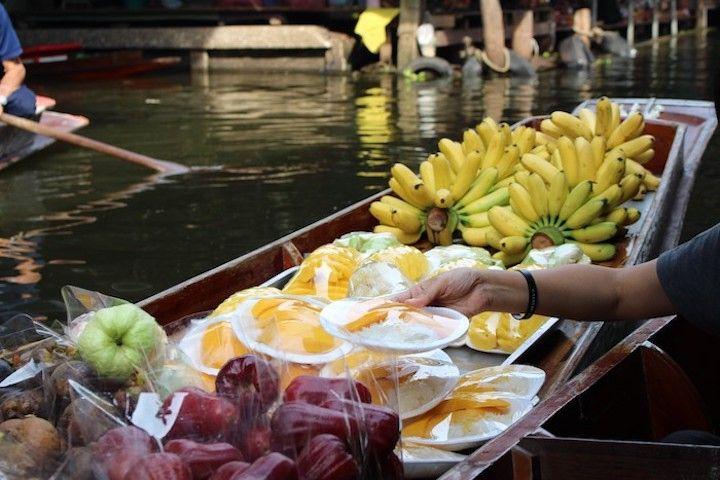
column 409, row 260
column 495, row 331
column 325, row 273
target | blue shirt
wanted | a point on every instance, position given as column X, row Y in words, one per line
column 9, row 44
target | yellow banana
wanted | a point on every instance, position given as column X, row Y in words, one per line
column 526, row 140
column 507, row 223
column 510, row 259
column 631, row 166
column 466, row 175
column 571, row 125
column 575, row 199
column 636, row 146
column 472, row 141
column 617, row 216
column 494, row 151
column 506, row 133
column 515, row 134
column 487, row 130
column 568, row 157
column 406, row 238
column 505, row 182
column 603, row 114
column 480, row 186
column 476, row 220
column 540, row 166
column 407, row 180
column 638, row 131
column 622, row 133
column 585, row 214
column 523, row 178
column 538, row 194
column 442, row 170
column 406, row 222
column 508, row 161
column 500, row 196
column 586, row 161
column 400, row 204
column 614, row 120
column 549, row 128
column 444, row 198
column 406, row 196
column 633, row 215
column 598, row 252
column 514, row 244
column 651, row 181
column 383, row 212
column 427, row 175
column 645, row 157
column 522, row 203
column 557, row 193
column 453, row 152
column 612, row 196
column 611, row 171
column 630, row 186
column 542, row 138
column 476, row 237
column 556, row 160
column 595, row 233
column 598, row 150
column 588, row 117
column 423, row 194
column 493, row 237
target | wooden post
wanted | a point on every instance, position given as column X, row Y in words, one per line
column 673, row 18
column 199, row 60
column 410, row 13
column 656, row 20
column 701, row 20
column 631, row 23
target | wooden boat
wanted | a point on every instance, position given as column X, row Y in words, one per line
column 16, row 144
column 602, row 406
column 69, row 61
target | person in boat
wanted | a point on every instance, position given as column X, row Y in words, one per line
column 15, row 98
column 682, row 281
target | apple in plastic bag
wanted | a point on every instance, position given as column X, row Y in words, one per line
column 203, row 416
column 120, row 448
column 118, row 339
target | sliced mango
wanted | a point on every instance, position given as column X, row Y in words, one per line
column 219, row 344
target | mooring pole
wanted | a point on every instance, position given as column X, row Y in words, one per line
column 655, row 20
column 631, row 23
column 673, row 18
column 410, row 14
column 701, row 20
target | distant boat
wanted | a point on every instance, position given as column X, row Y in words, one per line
column 70, row 61
column 17, row 144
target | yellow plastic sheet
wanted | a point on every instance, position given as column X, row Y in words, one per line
column 371, row 26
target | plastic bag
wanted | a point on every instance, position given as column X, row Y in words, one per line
column 499, row 332
column 462, row 263
column 438, row 256
column 367, row 242
column 409, row 260
column 377, row 279
column 325, row 273
column 565, row 254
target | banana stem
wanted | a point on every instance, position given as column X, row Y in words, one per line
column 437, row 219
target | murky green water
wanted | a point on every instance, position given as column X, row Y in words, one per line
column 289, row 149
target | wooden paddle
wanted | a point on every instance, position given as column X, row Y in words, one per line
column 161, row 166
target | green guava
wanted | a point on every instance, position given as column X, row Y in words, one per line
column 118, row 339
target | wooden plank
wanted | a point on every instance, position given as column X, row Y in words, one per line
column 581, row 459
column 410, row 16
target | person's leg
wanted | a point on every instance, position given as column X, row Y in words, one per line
column 582, row 23
column 21, row 102
column 522, row 39
column 692, row 437
column 493, row 32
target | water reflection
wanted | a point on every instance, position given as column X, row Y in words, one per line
column 272, row 154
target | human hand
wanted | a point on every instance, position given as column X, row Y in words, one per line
column 462, row 289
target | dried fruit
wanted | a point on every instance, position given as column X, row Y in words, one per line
column 203, row 416
column 326, row 458
column 203, row 458
column 229, row 470
column 316, row 390
column 120, row 448
column 160, row 466
column 37, row 435
column 243, row 377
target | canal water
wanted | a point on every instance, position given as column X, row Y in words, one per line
column 278, row 152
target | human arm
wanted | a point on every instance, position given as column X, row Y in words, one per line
column 580, row 292
column 13, row 77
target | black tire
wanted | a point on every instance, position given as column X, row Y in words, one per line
column 438, row 66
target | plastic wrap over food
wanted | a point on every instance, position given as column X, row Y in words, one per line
column 383, row 325
column 234, row 301
column 377, row 279
column 367, row 243
column 482, row 405
column 565, row 254
column 438, row 256
column 409, row 260
column 325, row 273
column 498, row 332
column 462, row 263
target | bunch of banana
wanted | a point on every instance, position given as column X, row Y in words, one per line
column 540, row 216
column 601, row 133
column 459, row 181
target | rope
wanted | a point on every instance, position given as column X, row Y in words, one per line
column 492, row 65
